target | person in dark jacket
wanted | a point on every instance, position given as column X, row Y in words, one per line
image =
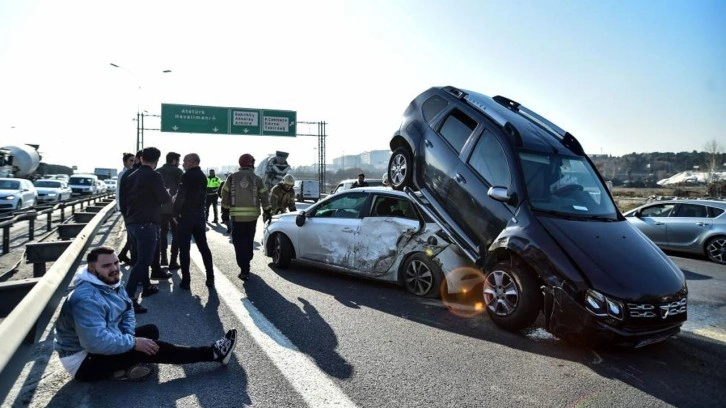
column 131, row 163
column 172, row 175
column 189, row 214
column 361, row 182
column 143, row 193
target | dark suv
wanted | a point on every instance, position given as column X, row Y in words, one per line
column 522, row 199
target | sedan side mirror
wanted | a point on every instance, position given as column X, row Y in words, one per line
column 300, row 219
column 501, row 194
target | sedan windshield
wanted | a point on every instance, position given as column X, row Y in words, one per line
column 565, row 185
column 47, row 183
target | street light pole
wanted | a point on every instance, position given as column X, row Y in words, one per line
column 139, row 113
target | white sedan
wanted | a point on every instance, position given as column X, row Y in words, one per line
column 371, row 232
column 52, row 190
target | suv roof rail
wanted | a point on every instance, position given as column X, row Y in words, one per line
column 566, row 138
column 478, row 104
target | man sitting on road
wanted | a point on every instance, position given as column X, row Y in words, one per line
column 282, row 196
column 96, row 335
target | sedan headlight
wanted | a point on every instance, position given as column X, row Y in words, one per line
column 603, row 306
column 9, row 197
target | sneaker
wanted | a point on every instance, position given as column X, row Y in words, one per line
column 174, row 266
column 149, row 291
column 224, row 346
column 184, row 284
column 138, row 309
column 137, row 372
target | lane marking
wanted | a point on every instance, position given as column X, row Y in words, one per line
column 313, row 385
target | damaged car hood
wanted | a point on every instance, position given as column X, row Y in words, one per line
column 604, row 254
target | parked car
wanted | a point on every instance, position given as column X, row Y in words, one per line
column 83, row 184
column 522, row 199
column 52, row 191
column 348, row 183
column 17, row 194
column 692, row 226
column 373, row 233
column 101, row 186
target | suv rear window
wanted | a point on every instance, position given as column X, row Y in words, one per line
column 457, row 128
column 432, row 107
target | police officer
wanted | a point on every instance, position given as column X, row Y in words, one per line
column 243, row 193
column 282, row 196
column 213, row 183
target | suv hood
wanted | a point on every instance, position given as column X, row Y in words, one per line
column 616, row 259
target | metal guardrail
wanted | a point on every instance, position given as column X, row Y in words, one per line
column 33, row 214
column 24, row 317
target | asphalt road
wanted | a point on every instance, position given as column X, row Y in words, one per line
column 313, row 338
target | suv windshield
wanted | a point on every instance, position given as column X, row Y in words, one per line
column 566, row 185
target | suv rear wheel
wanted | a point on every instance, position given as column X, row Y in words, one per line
column 512, row 296
column 400, row 168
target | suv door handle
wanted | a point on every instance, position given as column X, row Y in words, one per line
column 458, row 177
column 428, row 143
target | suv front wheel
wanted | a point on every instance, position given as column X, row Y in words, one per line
column 512, row 296
column 400, row 168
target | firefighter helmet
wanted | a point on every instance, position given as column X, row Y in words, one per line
column 246, row 160
column 288, row 179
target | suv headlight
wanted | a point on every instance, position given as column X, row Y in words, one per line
column 603, row 306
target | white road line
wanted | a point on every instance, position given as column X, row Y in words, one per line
column 313, row 385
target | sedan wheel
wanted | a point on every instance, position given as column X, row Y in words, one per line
column 716, row 250
column 422, row 277
column 281, row 251
column 400, row 168
column 512, row 296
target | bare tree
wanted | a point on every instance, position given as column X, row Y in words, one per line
column 713, row 151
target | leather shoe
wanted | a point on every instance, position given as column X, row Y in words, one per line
column 162, row 275
column 149, row 290
column 243, row 276
column 210, row 283
column 138, row 309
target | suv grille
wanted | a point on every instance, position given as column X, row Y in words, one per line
column 659, row 310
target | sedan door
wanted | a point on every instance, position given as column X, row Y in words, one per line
column 390, row 221
column 686, row 225
column 331, row 230
column 652, row 220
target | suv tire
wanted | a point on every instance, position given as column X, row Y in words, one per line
column 400, row 168
column 511, row 295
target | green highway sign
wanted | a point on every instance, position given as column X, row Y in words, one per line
column 227, row 121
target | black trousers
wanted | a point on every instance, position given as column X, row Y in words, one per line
column 211, row 200
column 101, row 366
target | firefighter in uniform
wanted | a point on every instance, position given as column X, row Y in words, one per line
column 213, row 183
column 282, row 196
column 243, row 194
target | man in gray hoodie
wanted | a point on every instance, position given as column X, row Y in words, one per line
column 96, row 335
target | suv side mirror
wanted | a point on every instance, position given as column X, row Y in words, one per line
column 501, row 194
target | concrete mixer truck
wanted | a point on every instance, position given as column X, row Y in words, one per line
column 20, row 161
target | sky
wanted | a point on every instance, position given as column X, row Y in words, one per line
column 622, row 76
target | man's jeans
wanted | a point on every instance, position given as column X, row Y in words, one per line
column 145, row 238
column 193, row 226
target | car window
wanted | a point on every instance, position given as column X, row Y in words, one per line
column 432, row 107
column 691, row 211
column 393, row 207
column 658, row 210
column 489, row 161
column 457, row 128
column 9, row 185
column 346, row 206
column 47, row 183
column 714, row 212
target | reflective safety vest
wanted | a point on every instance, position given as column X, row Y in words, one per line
column 213, row 184
column 244, row 193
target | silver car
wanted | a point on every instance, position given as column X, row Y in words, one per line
column 693, row 226
column 375, row 233
column 52, row 191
